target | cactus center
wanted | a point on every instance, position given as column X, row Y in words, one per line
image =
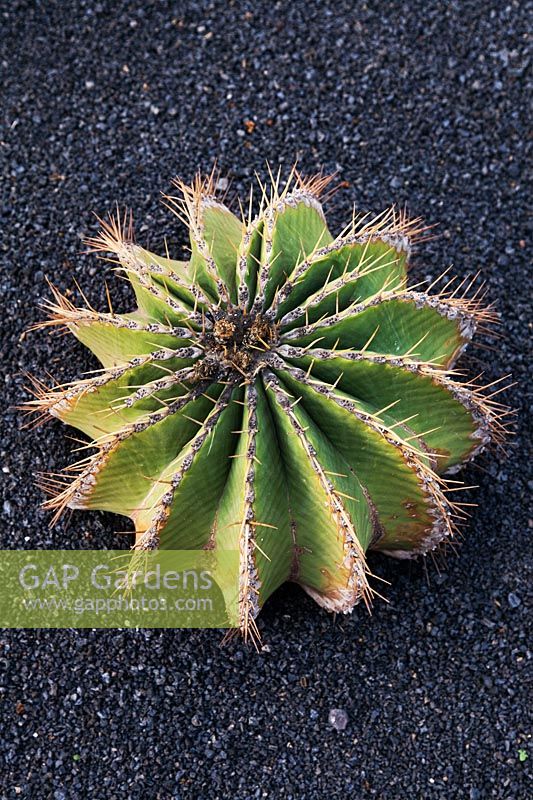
column 237, row 341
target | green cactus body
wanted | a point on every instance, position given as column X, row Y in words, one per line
column 284, row 393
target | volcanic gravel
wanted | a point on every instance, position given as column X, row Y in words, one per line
column 423, row 103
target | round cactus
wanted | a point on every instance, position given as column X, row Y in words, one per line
column 284, row 394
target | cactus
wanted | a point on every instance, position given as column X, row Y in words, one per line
column 284, row 393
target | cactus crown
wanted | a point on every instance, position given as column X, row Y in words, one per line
column 284, row 393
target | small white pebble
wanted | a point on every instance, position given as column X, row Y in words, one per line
column 338, row 718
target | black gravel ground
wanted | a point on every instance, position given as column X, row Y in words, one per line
column 418, row 102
